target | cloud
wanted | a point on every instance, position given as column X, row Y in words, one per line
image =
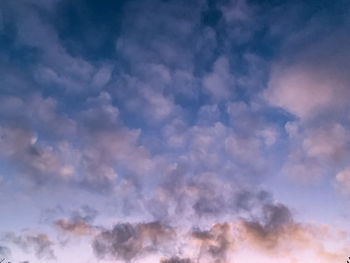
column 274, row 237
column 39, row 162
column 343, row 180
column 76, row 228
column 52, row 63
column 293, row 240
column 160, row 40
column 79, row 223
column 331, row 142
column 215, row 243
column 299, row 92
column 313, row 82
column 275, row 218
column 58, row 67
column 223, row 238
column 43, row 151
column 30, row 144
column 313, row 150
column 236, row 10
column 107, row 144
column 175, row 260
column 215, row 144
column 183, row 196
column 40, row 244
column 220, row 82
column 127, row 242
column 102, row 76
column 154, row 106
column 48, row 120
column 5, row 251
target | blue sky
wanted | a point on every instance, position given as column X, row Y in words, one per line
column 174, row 131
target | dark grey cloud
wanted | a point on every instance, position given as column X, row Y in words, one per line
column 85, row 213
column 40, row 244
column 203, row 195
column 5, row 251
column 175, row 260
column 216, row 242
column 276, row 220
column 129, row 241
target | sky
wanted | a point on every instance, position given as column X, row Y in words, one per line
column 174, row 131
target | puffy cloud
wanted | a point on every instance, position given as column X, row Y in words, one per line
column 313, row 149
column 220, row 83
column 42, row 148
column 102, row 76
column 244, row 150
column 48, row 120
column 236, row 10
column 175, row 260
column 39, row 243
column 269, row 135
column 76, row 228
column 32, row 144
column 156, row 31
column 292, row 240
column 174, row 132
column 107, row 144
column 247, row 122
column 79, row 223
column 215, row 243
column 159, row 106
column 161, row 69
column 313, row 82
column 332, row 142
column 208, row 114
column 57, row 66
column 343, row 180
column 211, row 145
column 204, row 197
column 5, row 251
column 302, row 168
column 299, row 92
column 275, row 237
column 275, row 218
column 127, row 242
column 38, row 161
